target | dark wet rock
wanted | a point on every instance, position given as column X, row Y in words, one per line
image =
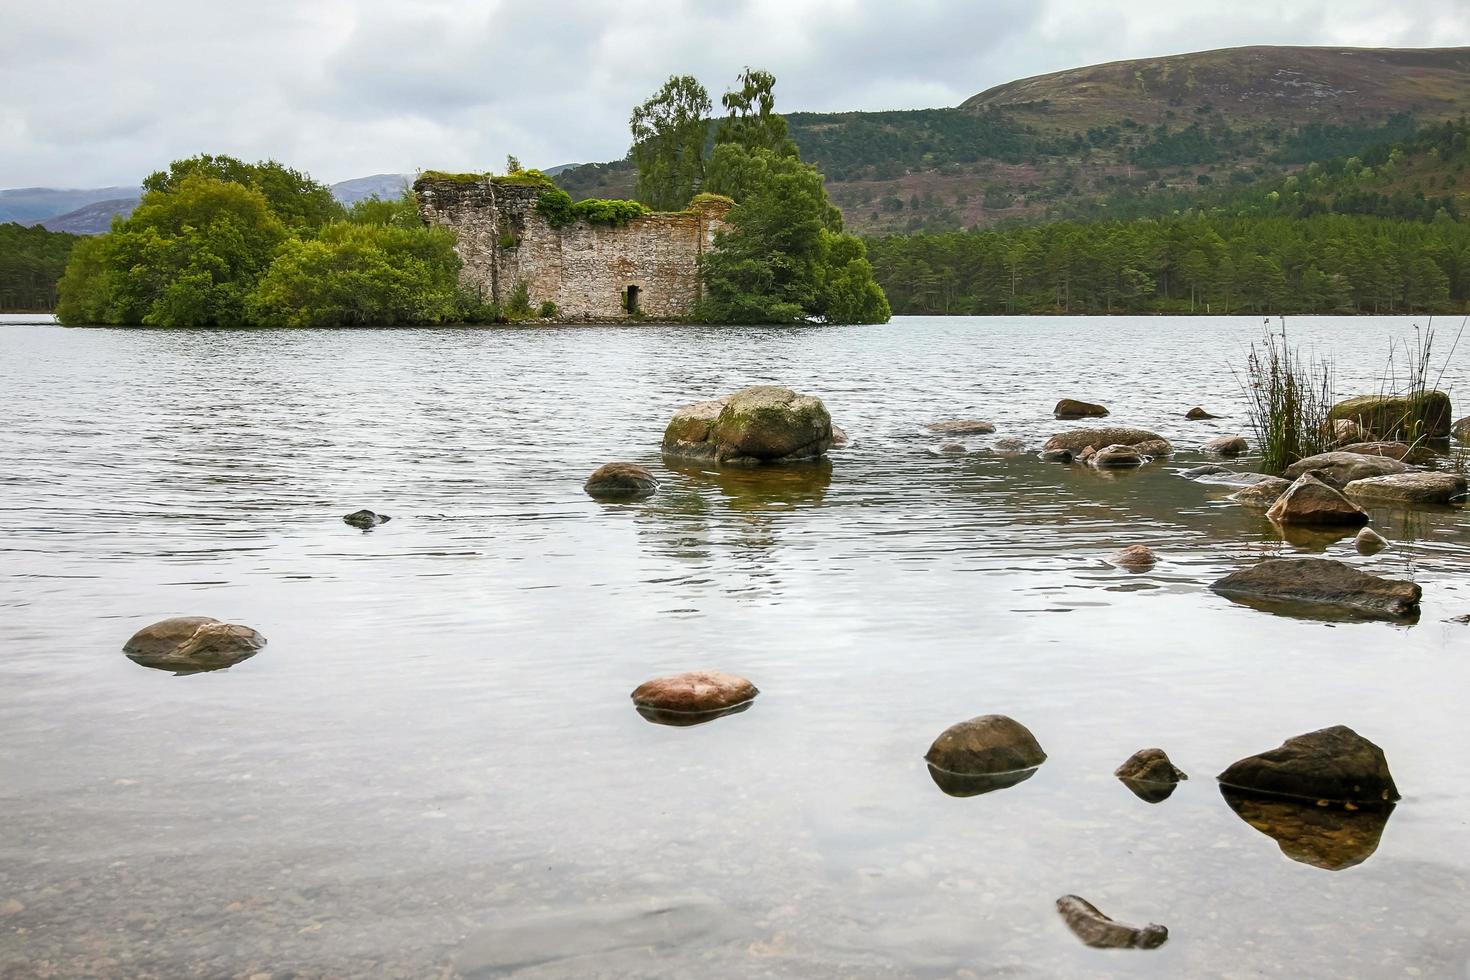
column 760, row 425
column 1227, row 445
column 1116, row 457
column 1153, row 447
column 1391, row 416
column 1149, row 766
column 989, row 745
column 1409, row 488
column 1057, row 456
column 1310, row 501
column 1369, row 542
column 1196, row 414
column 1461, row 429
column 952, row 448
column 592, row 939
column 1401, row 451
column 365, row 519
column 961, row 427
column 1321, row 582
column 1009, row 444
column 1460, row 620
column 1340, row 469
column 840, row 439
column 1262, row 493
column 1076, row 440
column 1134, row 558
column 1332, row 837
column 620, row 481
column 1096, row 929
column 1334, row 764
column 1070, row 408
column 1209, row 469
column 192, row 644
column 693, row 697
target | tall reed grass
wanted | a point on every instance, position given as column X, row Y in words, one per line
column 1289, row 396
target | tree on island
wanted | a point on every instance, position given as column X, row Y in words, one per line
column 218, row 242
column 668, row 143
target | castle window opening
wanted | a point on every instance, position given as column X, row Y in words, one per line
column 630, row 299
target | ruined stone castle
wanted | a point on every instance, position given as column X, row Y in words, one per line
column 648, row 266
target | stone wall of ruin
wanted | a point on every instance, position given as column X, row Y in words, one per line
column 585, row 269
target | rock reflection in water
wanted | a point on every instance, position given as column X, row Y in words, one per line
column 1330, row 837
column 1149, row 792
column 766, row 487
column 974, row 784
column 687, row 719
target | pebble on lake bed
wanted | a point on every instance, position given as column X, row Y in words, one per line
column 192, row 645
column 620, row 481
column 693, row 697
column 1097, row 930
column 365, row 519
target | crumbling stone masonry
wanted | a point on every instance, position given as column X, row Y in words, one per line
column 647, row 267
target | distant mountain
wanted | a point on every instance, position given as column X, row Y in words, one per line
column 29, row 205
column 553, row 171
column 385, row 186
column 92, row 219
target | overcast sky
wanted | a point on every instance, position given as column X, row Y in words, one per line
column 103, row 91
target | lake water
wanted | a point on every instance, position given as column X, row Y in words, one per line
column 434, row 768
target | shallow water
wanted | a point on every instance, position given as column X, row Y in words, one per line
column 434, row 770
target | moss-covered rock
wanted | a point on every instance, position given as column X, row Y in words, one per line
column 759, row 425
column 1390, row 416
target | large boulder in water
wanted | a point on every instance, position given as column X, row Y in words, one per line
column 1071, row 408
column 754, row 426
column 192, row 644
column 1310, row 501
column 1226, row 445
column 1393, row 415
column 1340, row 469
column 1076, row 440
column 989, row 744
column 1321, row 582
column 1408, row 488
column 1334, row 764
column 1115, row 458
column 1401, row 451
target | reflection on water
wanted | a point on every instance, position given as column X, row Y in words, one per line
column 687, row 719
column 1149, row 792
column 1331, row 837
column 974, row 784
column 373, row 798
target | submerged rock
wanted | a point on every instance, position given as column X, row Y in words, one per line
column 192, row 645
column 1076, row 440
column 952, row 448
column 1334, row 764
column 1135, row 558
column 1209, row 469
column 1227, row 445
column 1409, row 488
column 988, row 745
column 1461, row 429
column 1009, row 444
column 1057, row 456
column 1262, row 493
column 1369, row 542
column 1196, row 414
column 755, row 426
column 1340, row 469
column 1329, row 837
column 1153, row 447
column 693, row 698
column 1096, row 929
column 620, row 481
column 365, row 519
column 1116, row 457
column 1310, row 501
column 1321, row 582
column 961, row 427
column 1070, row 408
column 1393, row 415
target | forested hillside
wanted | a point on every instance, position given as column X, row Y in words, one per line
column 31, row 262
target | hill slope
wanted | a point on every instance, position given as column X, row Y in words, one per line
column 1277, row 86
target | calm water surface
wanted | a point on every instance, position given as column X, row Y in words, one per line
column 434, row 769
